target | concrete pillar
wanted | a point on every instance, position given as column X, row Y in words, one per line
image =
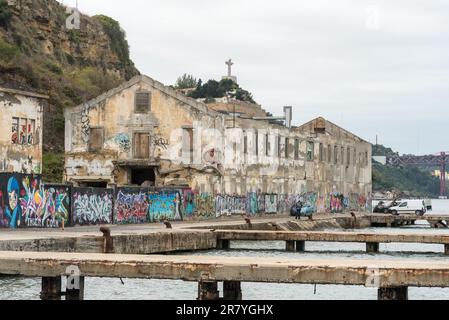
column 372, row 247
column 446, row 249
column 290, row 246
column 397, row 293
column 76, row 294
column 300, row 246
column 232, row 290
column 208, row 290
column 223, row 244
column 51, row 288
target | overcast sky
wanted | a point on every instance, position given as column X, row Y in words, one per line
column 373, row 67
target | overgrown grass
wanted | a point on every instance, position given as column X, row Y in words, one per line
column 52, row 167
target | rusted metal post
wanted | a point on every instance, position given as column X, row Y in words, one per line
column 372, row 247
column 51, row 288
column 223, row 244
column 108, row 242
column 290, row 246
column 208, row 290
column 232, row 290
column 300, row 246
column 396, row 293
column 77, row 293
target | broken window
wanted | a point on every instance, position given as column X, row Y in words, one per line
column 142, row 145
column 23, row 131
column 321, row 152
column 348, row 155
column 310, row 150
column 187, row 144
column 335, row 154
column 245, row 143
column 15, row 131
column 267, row 145
column 296, row 149
column 142, row 102
column 31, row 131
column 96, row 139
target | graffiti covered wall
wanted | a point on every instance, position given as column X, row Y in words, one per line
column 26, row 202
column 92, row 206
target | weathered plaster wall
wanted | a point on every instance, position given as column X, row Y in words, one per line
column 26, row 156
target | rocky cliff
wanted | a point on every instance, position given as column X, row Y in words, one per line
column 42, row 49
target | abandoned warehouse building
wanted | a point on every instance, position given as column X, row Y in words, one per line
column 145, row 134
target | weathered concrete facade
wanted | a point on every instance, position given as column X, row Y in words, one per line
column 21, row 131
column 145, row 134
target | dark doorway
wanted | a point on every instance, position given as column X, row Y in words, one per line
column 140, row 176
column 93, row 184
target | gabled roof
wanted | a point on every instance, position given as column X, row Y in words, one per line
column 155, row 84
column 306, row 126
column 24, row 93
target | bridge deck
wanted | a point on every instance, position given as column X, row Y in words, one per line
column 390, row 273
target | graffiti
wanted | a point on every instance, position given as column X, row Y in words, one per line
column 228, row 205
column 123, row 141
column 92, row 206
column 252, row 202
column 337, row 201
column 160, row 142
column 13, row 209
column 189, row 202
column 164, row 206
column 261, row 203
column 271, row 203
column 131, row 206
column 49, row 207
column 205, row 205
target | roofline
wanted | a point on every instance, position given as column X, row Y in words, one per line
column 24, row 93
column 158, row 85
column 346, row 131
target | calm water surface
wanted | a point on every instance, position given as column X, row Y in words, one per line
column 113, row 289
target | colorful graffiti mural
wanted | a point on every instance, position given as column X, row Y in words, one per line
column 252, row 204
column 271, row 203
column 92, row 206
column 228, row 205
column 205, row 205
column 26, row 202
column 164, row 206
column 131, row 206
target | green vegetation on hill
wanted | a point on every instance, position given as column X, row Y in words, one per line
column 38, row 53
column 213, row 89
column 410, row 180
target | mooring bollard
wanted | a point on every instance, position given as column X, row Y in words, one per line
column 108, row 242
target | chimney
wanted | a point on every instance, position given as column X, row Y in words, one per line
column 288, row 113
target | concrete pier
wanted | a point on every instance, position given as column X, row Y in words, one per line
column 371, row 239
column 209, row 270
column 389, row 220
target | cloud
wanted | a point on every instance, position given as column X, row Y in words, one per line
column 320, row 56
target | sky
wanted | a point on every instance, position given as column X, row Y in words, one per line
column 377, row 68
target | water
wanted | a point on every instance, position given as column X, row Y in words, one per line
column 136, row 289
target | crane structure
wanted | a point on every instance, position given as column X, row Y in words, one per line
column 439, row 159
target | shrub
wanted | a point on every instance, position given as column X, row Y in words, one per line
column 5, row 14
column 7, row 52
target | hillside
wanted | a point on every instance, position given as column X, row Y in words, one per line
column 39, row 53
column 412, row 181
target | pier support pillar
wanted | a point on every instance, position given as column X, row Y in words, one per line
column 223, row 244
column 446, row 249
column 397, row 293
column 51, row 288
column 372, row 247
column 300, row 246
column 208, row 290
column 290, row 246
column 232, row 290
column 77, row 293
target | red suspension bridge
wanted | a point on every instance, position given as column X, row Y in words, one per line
column 435, row 160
